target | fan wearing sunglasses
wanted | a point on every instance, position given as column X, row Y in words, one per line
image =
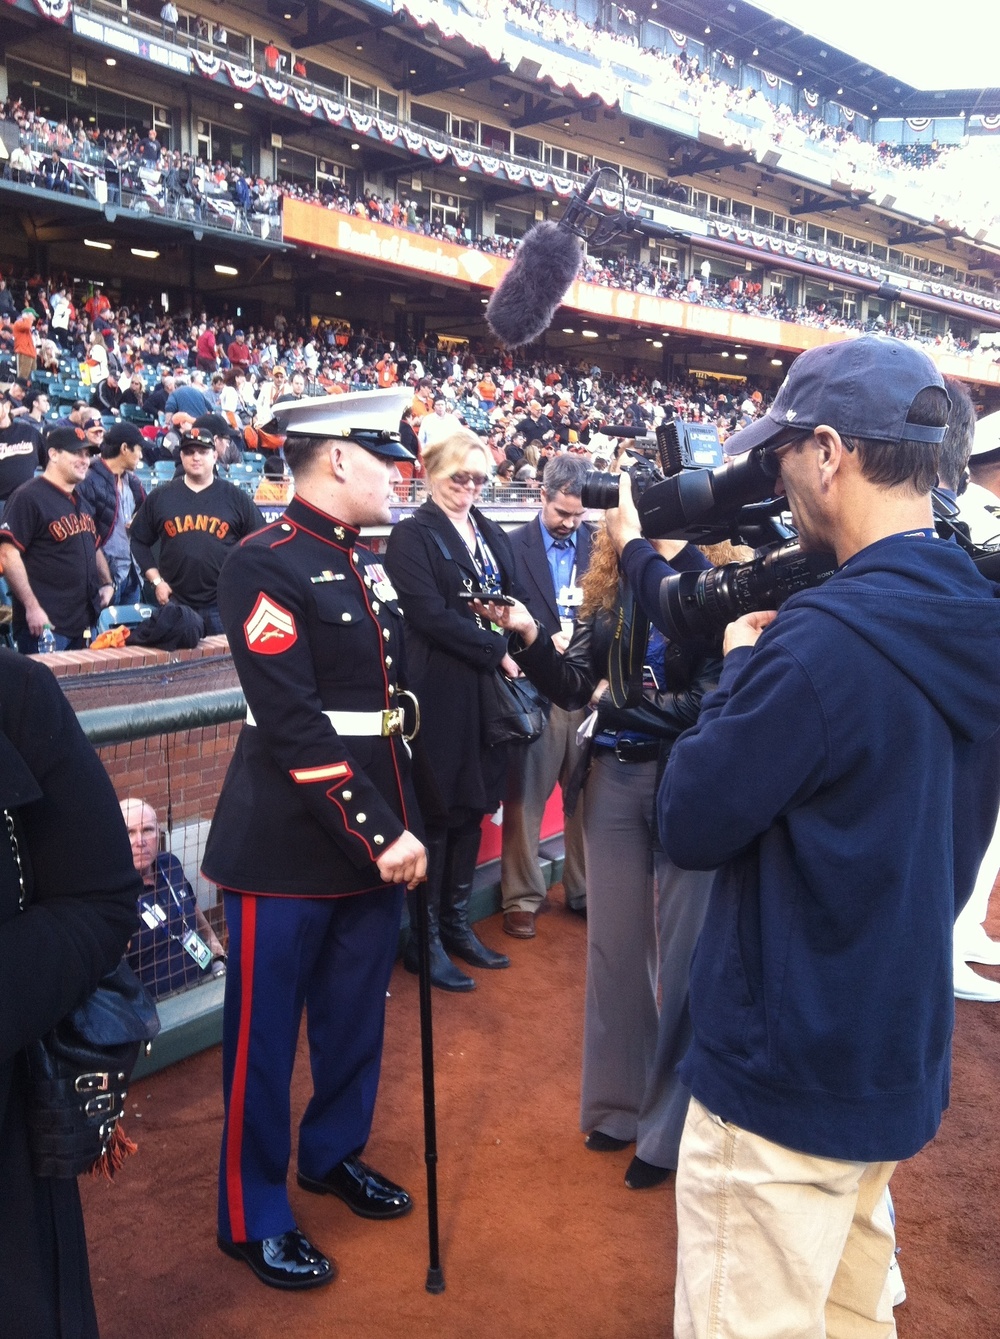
column 435, row 559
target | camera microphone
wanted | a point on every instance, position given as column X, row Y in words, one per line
column 547, row 262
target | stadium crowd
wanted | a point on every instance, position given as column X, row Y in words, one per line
column 64, row 155
column 138, row 358
column 140, row 172
column 130, row 389
column 952, row 178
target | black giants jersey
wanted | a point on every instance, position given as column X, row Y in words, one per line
column 55, row 534
column 196, row 530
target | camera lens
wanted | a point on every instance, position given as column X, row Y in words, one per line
column 600, row 490
column 700, row 604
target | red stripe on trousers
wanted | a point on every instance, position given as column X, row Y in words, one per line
column 237, row 1095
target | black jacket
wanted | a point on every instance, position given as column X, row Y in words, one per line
column 534, row 575
column 100, row 488
column 81, row 910
column 448, row 648
column 569, row 680
column 304, row 810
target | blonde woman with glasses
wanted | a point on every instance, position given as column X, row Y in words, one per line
column 436, row 558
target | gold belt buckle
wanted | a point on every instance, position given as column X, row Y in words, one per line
column 392, row 721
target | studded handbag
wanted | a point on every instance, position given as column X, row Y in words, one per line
column 78, row 1073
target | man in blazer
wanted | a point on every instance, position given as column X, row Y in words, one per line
column 551, row 554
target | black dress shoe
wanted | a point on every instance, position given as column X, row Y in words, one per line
column 642, row 1175
column 288, row 1261
column 599, row 1142
column 362, row 1189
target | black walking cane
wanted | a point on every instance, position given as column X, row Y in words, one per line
column 435, row 1274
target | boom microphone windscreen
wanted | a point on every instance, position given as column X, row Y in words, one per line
column 526, row 299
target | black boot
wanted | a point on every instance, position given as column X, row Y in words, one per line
column 444, row 974
column 457, row 935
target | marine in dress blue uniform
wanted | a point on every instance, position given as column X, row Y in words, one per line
column 311, row 840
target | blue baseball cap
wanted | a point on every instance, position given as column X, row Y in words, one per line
column 862, row 387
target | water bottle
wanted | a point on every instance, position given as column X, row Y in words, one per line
column 47, row 641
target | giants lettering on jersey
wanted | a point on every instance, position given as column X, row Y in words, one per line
column 68, row 526
column 270, row 629
column 180, row 525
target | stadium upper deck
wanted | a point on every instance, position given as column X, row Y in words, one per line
column 755, row 151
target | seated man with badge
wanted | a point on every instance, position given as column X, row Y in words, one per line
column 175, row 946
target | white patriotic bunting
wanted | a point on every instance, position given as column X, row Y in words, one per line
column 275, row 90
column 244, row 80
column 56, row 10
column 208, row 65
column 306, row 102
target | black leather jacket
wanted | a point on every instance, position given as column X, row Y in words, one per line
column 692, row 670
column 570, row 679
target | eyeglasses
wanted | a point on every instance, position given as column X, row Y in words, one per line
column 463, row 478
column 94, row 427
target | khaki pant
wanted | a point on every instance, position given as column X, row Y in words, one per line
column 775, row 1244
column 532, row 775
column 25, row 366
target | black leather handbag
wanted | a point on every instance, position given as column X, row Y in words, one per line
column 512, row 711
column 79, row 1072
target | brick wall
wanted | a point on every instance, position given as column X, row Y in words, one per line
column 180, row 774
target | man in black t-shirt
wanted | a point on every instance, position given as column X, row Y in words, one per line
column 197, row 519
column 19, row 452
column 535, row 423
column 48, row 547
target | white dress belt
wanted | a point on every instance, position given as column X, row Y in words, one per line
column 358, row 723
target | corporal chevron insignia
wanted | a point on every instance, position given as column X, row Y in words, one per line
column 270, row 629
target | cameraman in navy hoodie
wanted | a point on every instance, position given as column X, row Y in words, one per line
column 863, row 720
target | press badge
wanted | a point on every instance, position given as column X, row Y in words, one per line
column 569, row 598
column 152, row 915
column 193, row 944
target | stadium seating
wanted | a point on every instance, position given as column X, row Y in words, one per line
column 117, row 615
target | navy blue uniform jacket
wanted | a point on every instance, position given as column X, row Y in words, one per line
column 313, row 627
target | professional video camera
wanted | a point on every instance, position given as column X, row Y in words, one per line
column 675, row 446
column 683, row 490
